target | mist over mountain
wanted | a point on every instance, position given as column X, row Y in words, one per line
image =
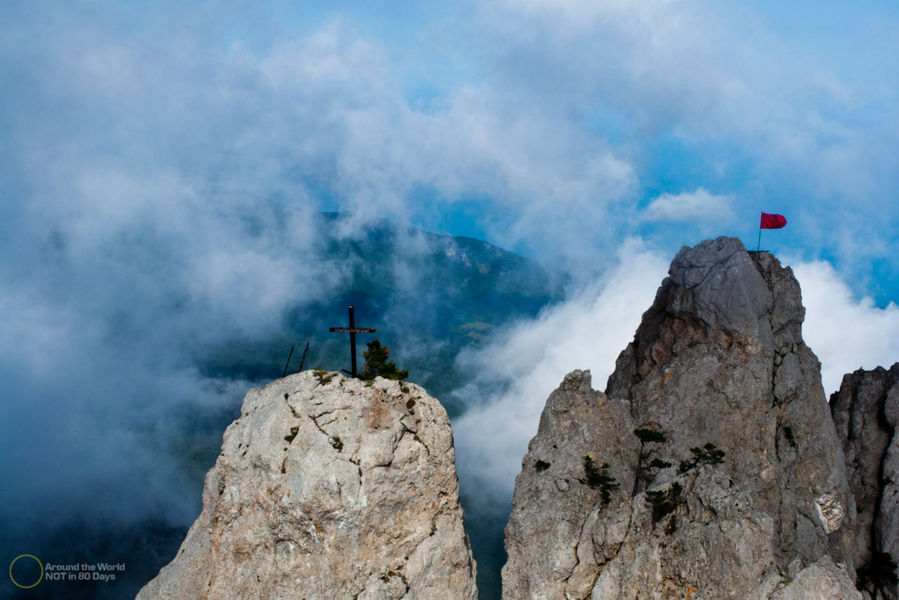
column 428, row 295
column 114, row 472
column 164, row 165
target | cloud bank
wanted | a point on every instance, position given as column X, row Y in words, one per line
column 846, row 332
column 525, row 363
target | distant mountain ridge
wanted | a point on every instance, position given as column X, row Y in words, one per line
column 428, row 295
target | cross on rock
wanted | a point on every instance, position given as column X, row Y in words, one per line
column 352, row 330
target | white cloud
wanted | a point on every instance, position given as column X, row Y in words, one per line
column 776, row 116
column 322, row 109
column 690, row 206
column 846, row 332
column 587, row 332
column 325, row 108
column 665, row 65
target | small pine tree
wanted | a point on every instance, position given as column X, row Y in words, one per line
column 647, row 435
column 377, row 365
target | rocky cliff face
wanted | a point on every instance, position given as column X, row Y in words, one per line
column 710, row 468
column 866, row 414
column 327, row 487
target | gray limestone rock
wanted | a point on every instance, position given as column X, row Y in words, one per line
column 866, row 413
column 553, row 496
column 328, row 488
column 744, row 488
column 822, row 579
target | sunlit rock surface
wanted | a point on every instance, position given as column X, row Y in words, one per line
column 743, row 495
column 328, row 487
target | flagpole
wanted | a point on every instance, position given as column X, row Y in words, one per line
column 759, row 245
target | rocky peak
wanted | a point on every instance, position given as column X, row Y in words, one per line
column 715, row 470
column 328, row 487
column 866, row 414
column 715, row 292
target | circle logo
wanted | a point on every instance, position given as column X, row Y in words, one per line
column 35, row 559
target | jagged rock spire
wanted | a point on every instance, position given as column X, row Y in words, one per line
column 737, row 483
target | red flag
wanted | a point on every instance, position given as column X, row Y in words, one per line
column 772, row 221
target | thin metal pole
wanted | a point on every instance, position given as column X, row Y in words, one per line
column 353, row 341
column 303, row 360
column 759, row 245
column 284, row 374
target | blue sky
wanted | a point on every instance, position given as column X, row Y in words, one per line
column 545, row 127
column 139, row 139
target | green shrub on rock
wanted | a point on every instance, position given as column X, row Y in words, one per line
column 377, row 365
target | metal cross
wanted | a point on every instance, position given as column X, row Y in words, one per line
column 352, row 330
